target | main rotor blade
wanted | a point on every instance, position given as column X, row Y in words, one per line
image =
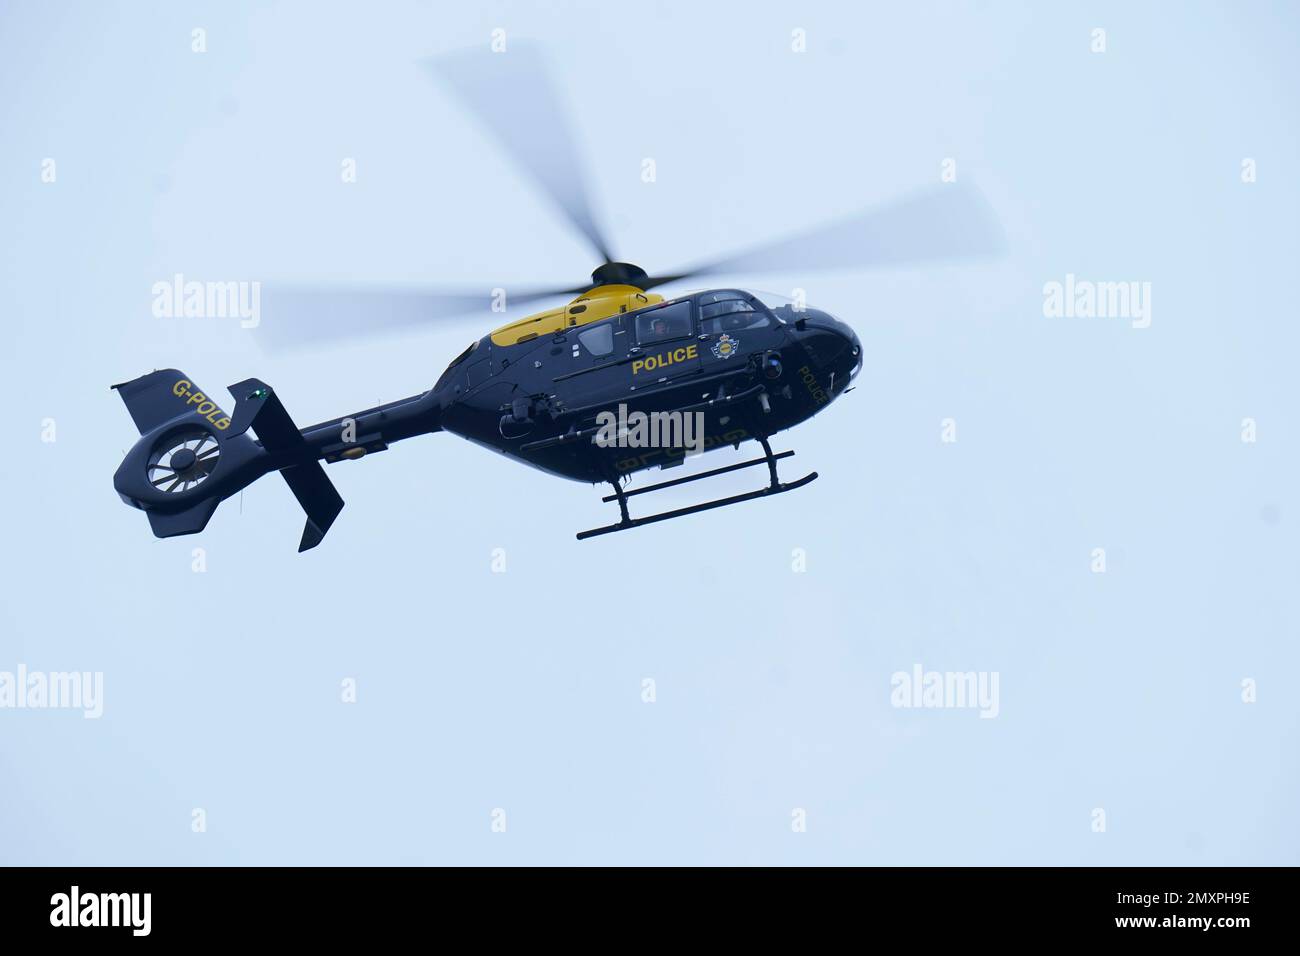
column 945, row 222
column 511, row 94
column 297, row 316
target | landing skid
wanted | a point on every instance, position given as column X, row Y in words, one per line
column 775, row 487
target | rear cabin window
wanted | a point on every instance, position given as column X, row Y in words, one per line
column 599, row 340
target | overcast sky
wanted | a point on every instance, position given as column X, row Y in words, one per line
column 771, row 630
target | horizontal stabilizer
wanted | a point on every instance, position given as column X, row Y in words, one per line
column 258, row 408
column 318, row 497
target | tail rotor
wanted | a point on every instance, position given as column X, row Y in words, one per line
column 183, row 461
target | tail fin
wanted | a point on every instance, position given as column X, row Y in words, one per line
column 160, row 396
column 190, row 521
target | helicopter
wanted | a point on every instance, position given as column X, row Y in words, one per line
column 544, row 389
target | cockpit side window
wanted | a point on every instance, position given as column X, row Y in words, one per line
column 672, row 321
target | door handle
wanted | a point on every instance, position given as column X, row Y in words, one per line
column 703, row 336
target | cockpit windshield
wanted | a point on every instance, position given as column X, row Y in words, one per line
column 782, row 306
column 730, row 310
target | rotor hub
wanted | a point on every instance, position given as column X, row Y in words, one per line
column 619, row 273
column 183, row 460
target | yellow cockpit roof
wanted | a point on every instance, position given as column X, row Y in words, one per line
column 592, row 306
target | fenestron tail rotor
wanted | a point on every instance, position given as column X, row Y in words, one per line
column 183, row 461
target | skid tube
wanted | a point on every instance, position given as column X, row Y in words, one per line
column 775, row 487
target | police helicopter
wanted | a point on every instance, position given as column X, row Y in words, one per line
column 542, row 389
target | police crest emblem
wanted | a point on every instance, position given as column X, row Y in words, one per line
column 725, row 347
